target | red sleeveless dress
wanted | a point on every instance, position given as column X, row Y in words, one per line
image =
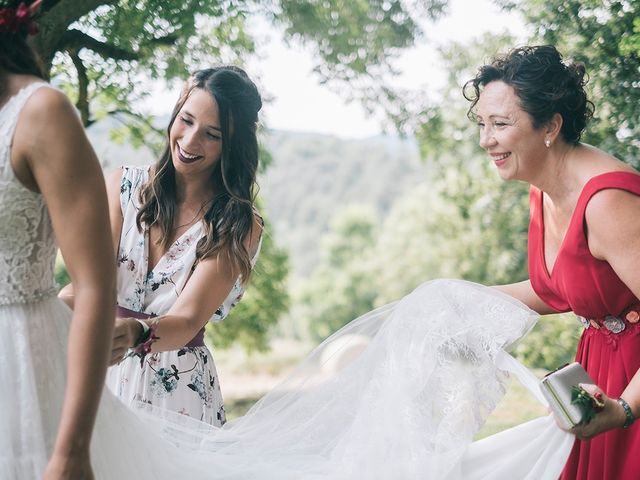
column 590, row 288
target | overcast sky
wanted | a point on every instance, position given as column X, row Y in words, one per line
column 300, row 103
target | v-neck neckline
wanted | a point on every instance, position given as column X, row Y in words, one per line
column 549, row 273
column 147, row 242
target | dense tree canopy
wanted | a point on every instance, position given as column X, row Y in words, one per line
column 341, row 288
column 106, row 50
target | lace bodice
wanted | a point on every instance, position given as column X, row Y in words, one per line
column 27, row 245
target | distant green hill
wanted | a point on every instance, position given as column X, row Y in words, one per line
column 311, row 178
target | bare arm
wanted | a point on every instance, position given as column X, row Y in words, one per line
column 524, row 292
column 203, row 294
column 115, row 219
column 52, row 153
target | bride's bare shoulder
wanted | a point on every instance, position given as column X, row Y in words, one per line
column 47, row 103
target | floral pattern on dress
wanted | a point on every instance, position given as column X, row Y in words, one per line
column 184, row 380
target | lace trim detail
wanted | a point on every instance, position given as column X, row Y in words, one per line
column 27, row 246
column 31, row 298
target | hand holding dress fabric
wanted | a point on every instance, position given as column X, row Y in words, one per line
column 125, row 333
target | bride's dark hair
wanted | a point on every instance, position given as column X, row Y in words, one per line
column 16, row 56
column 230, row 217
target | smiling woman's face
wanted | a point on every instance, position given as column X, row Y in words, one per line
column 195, row 137
column 507, row 133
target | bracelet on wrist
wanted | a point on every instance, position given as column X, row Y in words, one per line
column 142, row 347
column 144, row 335
column 630, row 417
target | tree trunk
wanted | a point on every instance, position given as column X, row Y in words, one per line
column 55, row 21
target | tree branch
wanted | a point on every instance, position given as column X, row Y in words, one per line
column 139, row 117
column 155, row 146
column 72, row 10
column 166, row 40
column 77, row 40
column 54, row 20
column 83, row 88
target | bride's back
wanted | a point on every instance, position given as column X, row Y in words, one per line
column 27, row 247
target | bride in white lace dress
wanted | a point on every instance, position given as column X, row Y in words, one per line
column 49, row 176
column 407, row 407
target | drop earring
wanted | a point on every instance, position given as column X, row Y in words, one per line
column 547, row 143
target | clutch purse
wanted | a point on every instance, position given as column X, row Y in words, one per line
column 557, row 388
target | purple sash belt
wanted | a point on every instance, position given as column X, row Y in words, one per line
column 197, row 341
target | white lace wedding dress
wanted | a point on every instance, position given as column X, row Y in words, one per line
column 406, row 407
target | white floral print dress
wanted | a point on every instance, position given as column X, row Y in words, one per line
column 184, row 380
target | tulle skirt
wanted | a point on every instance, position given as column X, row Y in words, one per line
column 397, row 394
column 33, row 338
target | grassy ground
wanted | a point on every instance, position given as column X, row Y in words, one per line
column 245, row 378
column 237, row 407
column 517, row 406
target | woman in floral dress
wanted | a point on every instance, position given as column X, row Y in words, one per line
column 187, row 237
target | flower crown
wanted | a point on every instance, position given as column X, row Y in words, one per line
column 13, row 19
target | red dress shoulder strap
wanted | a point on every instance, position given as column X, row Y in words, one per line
column 621, row 180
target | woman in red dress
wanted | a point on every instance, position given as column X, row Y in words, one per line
column 584, row 236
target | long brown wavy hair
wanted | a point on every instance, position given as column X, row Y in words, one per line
column 16, row 56
column 230, row 218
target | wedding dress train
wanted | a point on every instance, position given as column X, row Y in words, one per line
column 407, row 407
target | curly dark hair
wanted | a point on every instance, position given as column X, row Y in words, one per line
column 230, row 216
column 545, row 85
column 16, row 56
